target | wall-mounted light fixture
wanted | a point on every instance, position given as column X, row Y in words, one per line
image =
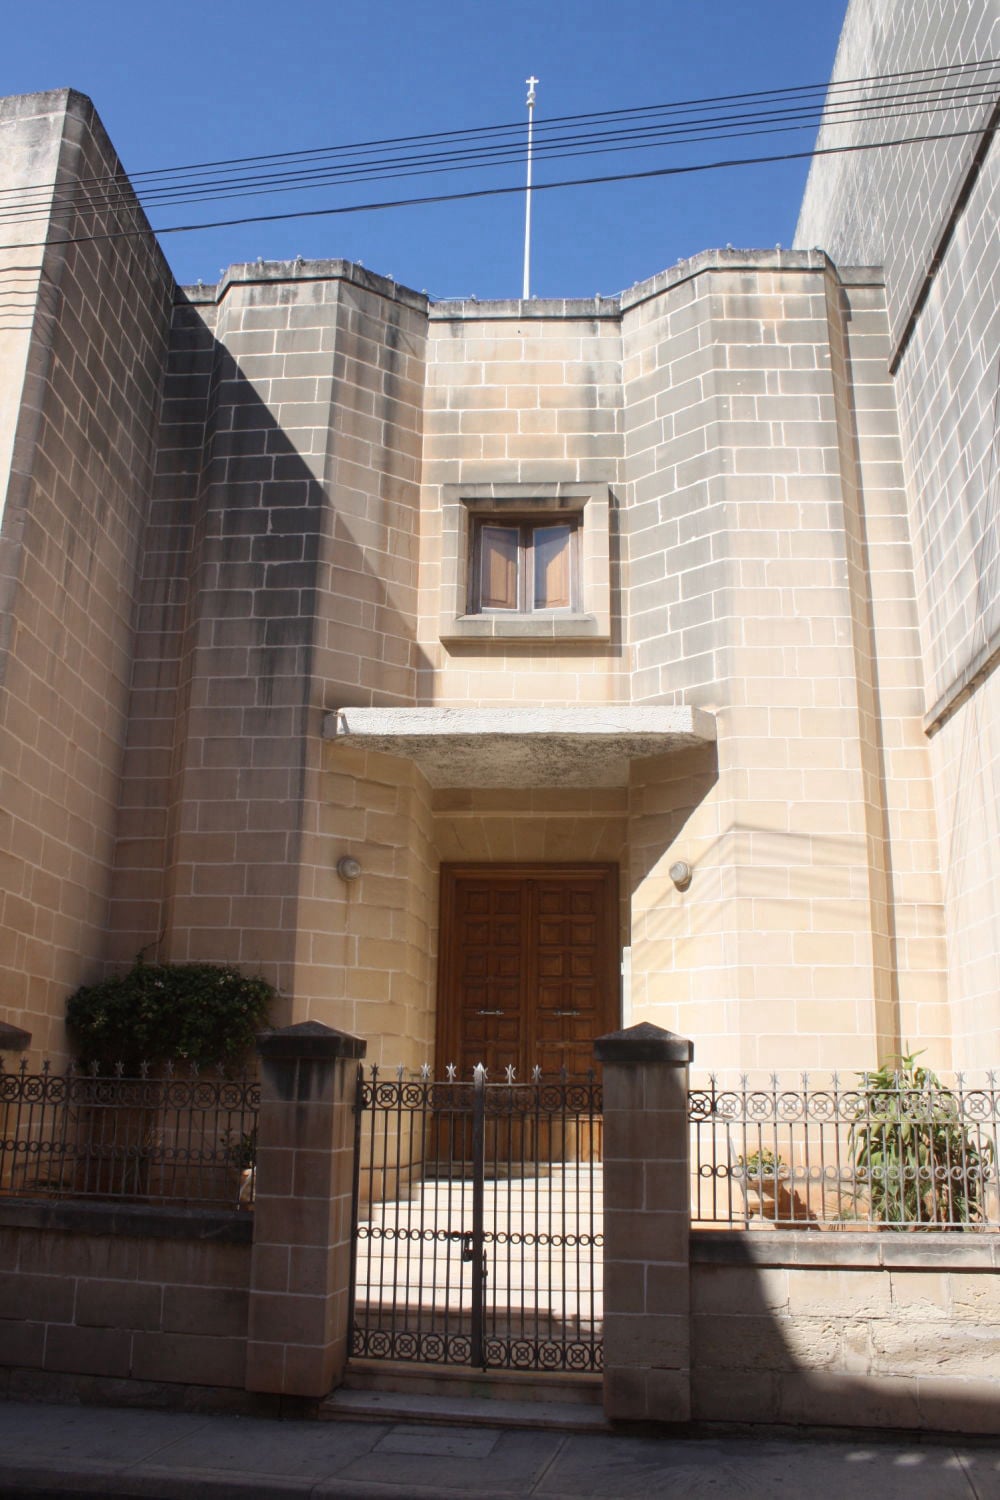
column 680, row 874
column 348, row 868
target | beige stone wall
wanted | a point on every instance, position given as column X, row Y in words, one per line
column 888, row 207
column 365, row 951
column 280, row 583
column 115, row 1299
column 727, row 430
column 759, row 477
column 76, row 499
column 519, row 395
column 756, row 567
column 906, row 891
column 847, row 1329
column 31, row 130
column 374, row 940
column 966, row 756
column 929, row 212
column 947, row 383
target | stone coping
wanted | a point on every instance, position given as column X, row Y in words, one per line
column 470, row 308
column 522, row 747
column 933, row 1250
column 133, row 1220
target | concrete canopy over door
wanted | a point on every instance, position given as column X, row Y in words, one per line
column 523, row 747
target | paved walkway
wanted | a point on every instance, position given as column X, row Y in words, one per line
column 73, row 1450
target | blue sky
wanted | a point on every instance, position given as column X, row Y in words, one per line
column 190, row 83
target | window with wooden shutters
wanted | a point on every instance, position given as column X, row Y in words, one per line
column 524, row 567
column 525, row 562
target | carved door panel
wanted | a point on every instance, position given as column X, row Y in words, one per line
column 529, row 967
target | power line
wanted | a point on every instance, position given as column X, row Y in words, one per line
column 643, row 138
column 458, row 165
column 580, row 147
column 957, row 75
column 494, row 192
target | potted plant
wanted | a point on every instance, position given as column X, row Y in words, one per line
column 760, row 1173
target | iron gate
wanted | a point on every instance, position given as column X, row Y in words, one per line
column 478, row 1222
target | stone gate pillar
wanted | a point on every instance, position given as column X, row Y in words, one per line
column 647, row 1221
column 301, row 1262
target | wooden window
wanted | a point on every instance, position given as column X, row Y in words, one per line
column 524, row 566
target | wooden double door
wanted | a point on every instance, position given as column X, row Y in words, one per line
column 529, row 970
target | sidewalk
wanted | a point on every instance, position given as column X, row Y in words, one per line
column 73, row 1450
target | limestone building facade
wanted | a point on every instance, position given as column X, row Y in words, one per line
column 638, row 651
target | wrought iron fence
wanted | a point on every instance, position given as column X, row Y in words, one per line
column 151, row 1139
column 885, row 1152
column 479, row 1222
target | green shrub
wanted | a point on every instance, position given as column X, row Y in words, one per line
column 204, row 1014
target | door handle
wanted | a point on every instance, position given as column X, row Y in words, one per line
column 567, row 1012
column 489, row 1012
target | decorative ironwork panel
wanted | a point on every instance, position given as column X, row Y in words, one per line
column 891, row 1151
column 479, row 1222
column 162, row 1139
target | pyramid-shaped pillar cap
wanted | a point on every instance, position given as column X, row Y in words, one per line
column 309, row 1039
column 644, row 1043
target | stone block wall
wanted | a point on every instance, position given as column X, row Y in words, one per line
column 318, row 424
column 887, row 207
column 87, row 356
column 762, row 587
column 281, row 582
column 874, row 1330
column 102, row 1300
column 928, row 212
column 966, row 761
column 365, row 953
column 906, row 888
column 727, row 429
column 948, row 382
column 520, row 395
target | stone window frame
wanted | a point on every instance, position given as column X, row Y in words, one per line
column 590, row 503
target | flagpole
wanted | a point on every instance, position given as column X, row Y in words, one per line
column 526, row 291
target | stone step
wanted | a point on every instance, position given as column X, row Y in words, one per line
column 381, row 1391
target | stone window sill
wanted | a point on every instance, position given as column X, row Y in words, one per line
column 534, row 627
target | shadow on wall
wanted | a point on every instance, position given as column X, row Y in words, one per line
column 666, row 792
column 259, row 610
column 877, row 1330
